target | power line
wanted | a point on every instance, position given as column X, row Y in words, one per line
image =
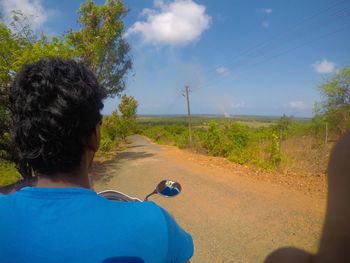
column 338, row 14
column 296, row 35
column 269, row 44
column 287, row 51
column 299, row 46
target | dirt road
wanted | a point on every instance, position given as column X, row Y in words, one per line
column 231, row 217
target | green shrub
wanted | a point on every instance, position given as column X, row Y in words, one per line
column 214, row 140
column 182, row 139
column 199, row 136
column 106, row 144
column 238, row 135
column 274, row 150
column 244, row 156
column 109, row 136
column 108, row 128
column 242, row 148
column 8, row 173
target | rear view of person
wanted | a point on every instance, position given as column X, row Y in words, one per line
column 56, row 118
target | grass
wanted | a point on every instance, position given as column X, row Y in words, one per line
column 8, row 173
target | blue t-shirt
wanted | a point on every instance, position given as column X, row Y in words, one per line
column 76, row 225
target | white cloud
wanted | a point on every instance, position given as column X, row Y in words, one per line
column 297, row 105
column 324, row 66
column 177, row 23
column 265, row 24
column 266, row 11
column 222, row 71
column 32, row 9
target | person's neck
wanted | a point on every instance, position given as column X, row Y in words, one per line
column 63, row 180
column 77, row 178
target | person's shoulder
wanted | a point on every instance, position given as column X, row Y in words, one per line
column 6, row 200
column 149, row 210
column 180, row 243
column 149, row 205
column 159, row 212
column 6, row 196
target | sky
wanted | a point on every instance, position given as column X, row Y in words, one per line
column 238, row 57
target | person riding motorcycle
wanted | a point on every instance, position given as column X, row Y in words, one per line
column 55, row 107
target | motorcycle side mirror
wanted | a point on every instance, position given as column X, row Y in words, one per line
column 166, row 188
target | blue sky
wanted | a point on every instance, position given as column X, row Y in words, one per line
column 238, row 57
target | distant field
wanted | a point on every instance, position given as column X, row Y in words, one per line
column 202, row 120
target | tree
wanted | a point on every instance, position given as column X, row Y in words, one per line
column 99, row 42
column 128, row 107
column 126, row 124
column 336, row 106
column 19, row 46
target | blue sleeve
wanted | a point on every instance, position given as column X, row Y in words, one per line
column 180, row 243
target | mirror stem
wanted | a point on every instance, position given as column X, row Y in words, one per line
column 146, row 198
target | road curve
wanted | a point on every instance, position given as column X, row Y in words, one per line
column 231, row 219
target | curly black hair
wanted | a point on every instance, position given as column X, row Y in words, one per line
column 55, row 106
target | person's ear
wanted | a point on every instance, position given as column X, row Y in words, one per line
column 94, row 139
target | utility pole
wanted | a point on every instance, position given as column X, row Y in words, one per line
column 186, row 94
